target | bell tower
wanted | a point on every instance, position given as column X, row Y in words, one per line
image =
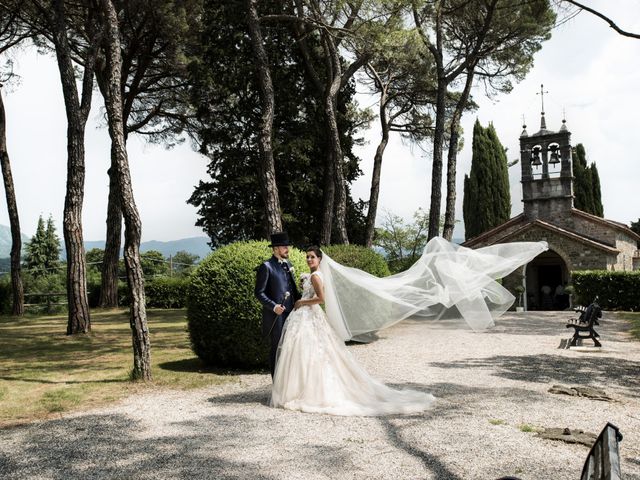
column 547, row 172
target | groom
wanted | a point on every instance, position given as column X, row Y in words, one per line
column 276, row 290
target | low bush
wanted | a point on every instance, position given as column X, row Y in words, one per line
column 224, row 317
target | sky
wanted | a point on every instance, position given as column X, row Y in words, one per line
column 590, row 72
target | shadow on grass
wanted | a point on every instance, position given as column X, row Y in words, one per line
column 64, row 382
column 194, row 364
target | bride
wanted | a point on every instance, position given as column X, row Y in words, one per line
column 316, row 373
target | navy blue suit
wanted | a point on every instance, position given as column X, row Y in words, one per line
column 272, row 281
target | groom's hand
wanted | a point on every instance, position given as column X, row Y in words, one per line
column 279, row 309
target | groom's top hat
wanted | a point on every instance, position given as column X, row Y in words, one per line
column 279, row 239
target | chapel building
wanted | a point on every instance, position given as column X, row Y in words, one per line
column 577, row 240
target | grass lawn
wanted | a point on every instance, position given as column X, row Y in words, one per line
column 43, row 371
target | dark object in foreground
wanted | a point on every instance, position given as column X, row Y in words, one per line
column 583, row 326
column 603, row 461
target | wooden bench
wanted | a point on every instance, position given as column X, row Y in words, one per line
column 583, row 325
column 603, row 461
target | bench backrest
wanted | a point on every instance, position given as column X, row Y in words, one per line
column 591, row 314
column 603, row 461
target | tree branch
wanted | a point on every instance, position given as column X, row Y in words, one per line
column 611, row 23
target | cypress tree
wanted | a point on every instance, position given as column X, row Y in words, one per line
column 470, row 192
column 586, row 184
column 500, row 179
column 487, row 201
column 596, row 192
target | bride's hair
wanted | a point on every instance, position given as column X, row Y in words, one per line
column 315, row 249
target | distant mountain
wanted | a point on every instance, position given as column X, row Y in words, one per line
column 5, row 241
column 194, row 245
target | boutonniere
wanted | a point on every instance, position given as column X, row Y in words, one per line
column 292, row 269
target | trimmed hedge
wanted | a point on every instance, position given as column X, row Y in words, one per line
column 224, row 317
column 160, row 292
column 167, row 292
column 359, row 257
column 615, row 290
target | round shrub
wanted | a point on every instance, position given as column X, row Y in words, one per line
column 359, row 257
column 224, row 317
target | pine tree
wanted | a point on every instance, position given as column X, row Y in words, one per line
column 487, row 201
column 36, row 255
column 51, row 247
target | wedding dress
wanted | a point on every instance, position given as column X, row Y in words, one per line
column 316, row 373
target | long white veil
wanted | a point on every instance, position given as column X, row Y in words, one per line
column 445, row 278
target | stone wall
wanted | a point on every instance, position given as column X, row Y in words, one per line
column 628, row 249
column 595, row 229
column 577, row 255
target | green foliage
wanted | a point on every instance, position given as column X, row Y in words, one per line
column 487, row 200
column 615, row 290
column 160, row 292
column 6, row 301
column 402, row 242
column 224, row 317
column 52, row 246
column 224, row 88
column 586, row 185
column 45, row 284
column 166, row 292
column 94, row 258
column 359, row 257
column 184, row 262
column 153, row 263
column 43, row 251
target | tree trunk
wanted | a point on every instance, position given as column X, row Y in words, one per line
column 268, row 183
column 328, row 194
column 133, row 225
column 111, row 257
column 377, row 169
column 452, row 157
column 77, row 113
column 436, row 170
column 335, row 151
column 109, row 278
column 14, row 219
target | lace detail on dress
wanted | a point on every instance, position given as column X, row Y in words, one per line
column 307, row 287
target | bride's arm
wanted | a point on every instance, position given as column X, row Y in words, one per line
column 316, row 281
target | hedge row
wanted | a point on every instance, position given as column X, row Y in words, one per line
column 615, row 290
column 359, row 257
column 160, row 292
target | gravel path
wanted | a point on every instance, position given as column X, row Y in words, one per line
column 487, row 385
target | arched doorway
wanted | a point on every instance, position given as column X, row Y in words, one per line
column 546, row 276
